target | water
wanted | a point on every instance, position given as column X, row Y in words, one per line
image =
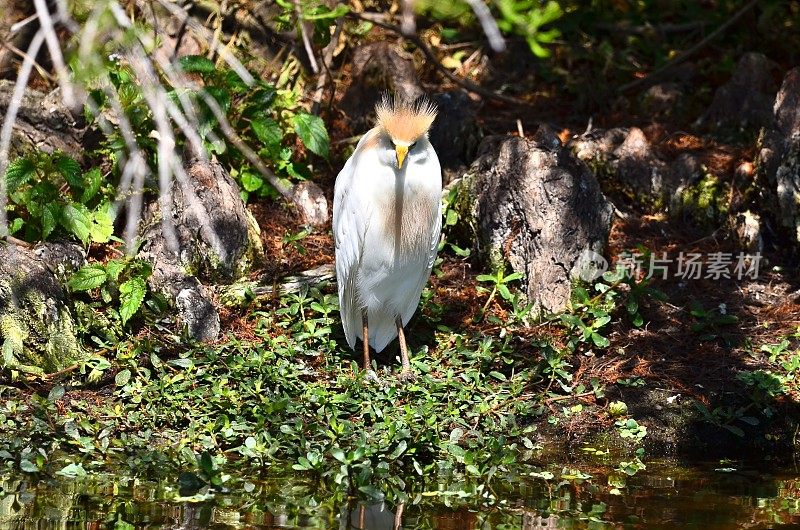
column 665, row 495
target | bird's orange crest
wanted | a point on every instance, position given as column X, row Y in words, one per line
column 405, row 121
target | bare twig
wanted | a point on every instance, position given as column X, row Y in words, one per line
column 408, row 25
column 306, row 40
column 8, row 122
column 46, row 23
column 488, row 24
column 429, row 55
column 327, row 57
column 22, row 23
column 22, row 55
column 678, row 59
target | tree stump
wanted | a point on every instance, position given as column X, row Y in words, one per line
column 216, row 239
column 538, row 208
column 779, row 160
column 37, row 330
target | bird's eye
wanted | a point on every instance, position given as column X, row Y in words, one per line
column 412, row 145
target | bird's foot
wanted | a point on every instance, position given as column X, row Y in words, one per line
column 406, row 375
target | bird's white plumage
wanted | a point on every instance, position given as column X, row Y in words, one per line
column 386, row 224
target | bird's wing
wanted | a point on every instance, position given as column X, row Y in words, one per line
column 350, row 220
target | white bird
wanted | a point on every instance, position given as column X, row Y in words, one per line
column 386, row 224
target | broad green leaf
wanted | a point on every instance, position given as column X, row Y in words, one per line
column 92, row 180
column 182, row 363
column 50, row 214
column 268, row 132
column 19, row 172
column 114, row 267
column 338, row 454
column 312, row 132
column 197, row 64
column 87, row 278
column 513, row 276
column 372, row 491
column 15, row 225
column 504, row 292
column 233, row 82
column 250, row 181
column 102, row 227
column 222, row 96
column 131, row 294
column 69, row 169
column 56, row 393
column 263, row 97
column 399, row 450
column 600, row 341
column 122, row 377
column 75, row 218
column 324, row 12
column 27, row 466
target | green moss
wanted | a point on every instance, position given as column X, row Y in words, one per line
column 705, row 202
column 38, row 332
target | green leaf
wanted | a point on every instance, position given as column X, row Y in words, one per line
column 122, row 377
column 371, row 491
column 338, row 454
column 250, row 181
column 92, row 180
column 87, row 278
column 451, row 218
column 56, row 393
column 27, row 466
column 72, row 470
column 268, row 132
column 312, row 132
column 504, row 292
column 102, row 227
column 185, row 363
column 196, row 64
column 513, row 276
column 50, row 213
column 19, row 172
column 263, row 97
column 15, row 225
column 69, row 169
column 222, row 96
column 399, row 450
column 600, row 341
column 75, row 219
column 131, row 294
column 325, row 13
column 114, row 267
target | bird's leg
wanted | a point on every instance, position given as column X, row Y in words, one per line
column 398, row 516
column 401, row 337
column 365, row 324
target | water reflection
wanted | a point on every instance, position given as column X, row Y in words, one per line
column 663, row 496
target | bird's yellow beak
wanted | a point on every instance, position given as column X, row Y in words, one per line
column 401, row 151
